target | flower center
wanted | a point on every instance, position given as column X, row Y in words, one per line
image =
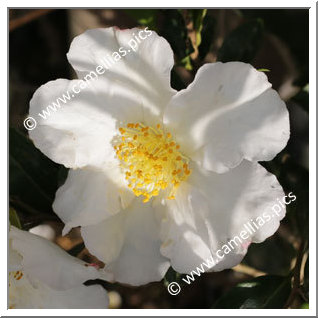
column 151, row 160
column 17, row 275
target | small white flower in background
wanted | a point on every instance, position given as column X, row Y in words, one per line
column 42, row 275
column 160, row 177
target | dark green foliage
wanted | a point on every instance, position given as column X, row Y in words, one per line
column 242, row 43
column 261, row 292
column 144, row 17
column 33, row 177
column 175, row 32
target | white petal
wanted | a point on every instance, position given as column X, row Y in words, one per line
column 129, row 245
column 91, row 195
column 183, row 230
column 144, row 70
column 82, row 297
column 24, row 294
column 44, row 230
column 229, row 113
column 79, row 132
column 212, row 209
column 14, row 260
column 45, row 261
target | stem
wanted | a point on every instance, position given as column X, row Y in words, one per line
column 296, row 274
column 32, row 15
column 241, row 268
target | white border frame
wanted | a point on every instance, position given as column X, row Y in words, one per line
column 312, row 160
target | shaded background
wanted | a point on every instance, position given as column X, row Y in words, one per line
column 275, row 40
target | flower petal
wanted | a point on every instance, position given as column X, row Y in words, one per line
column 129, row 245
column 14, row 260
column 78, row 132
column 91, row 195
column 143, row 68
column 26, row 294
column 45, row 261
column 229, row 113
column 81, row 297
column 183, row 230
column 213, row 209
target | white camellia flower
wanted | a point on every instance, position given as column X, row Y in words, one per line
column 160, row 177
column 42, row 275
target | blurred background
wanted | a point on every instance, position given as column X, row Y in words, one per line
column 275, row 41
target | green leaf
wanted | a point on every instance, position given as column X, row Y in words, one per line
column 261, row 292
column 186, row 62
column 197, row 18
column 305, row 286
column 263, row 70
column 242, row 43
column 302, row 212
column 33, row 177
column 207, row 35
column 175, row 32
column 144, row 17
column 267, row 256
column 302, row 98
column 171, row 276
column 294, row 178
column 14, row 219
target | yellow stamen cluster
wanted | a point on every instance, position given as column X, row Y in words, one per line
column 16, row 275
column 151, row 160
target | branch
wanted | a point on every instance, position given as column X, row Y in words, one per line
column 34, row 14
column 241, row 268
